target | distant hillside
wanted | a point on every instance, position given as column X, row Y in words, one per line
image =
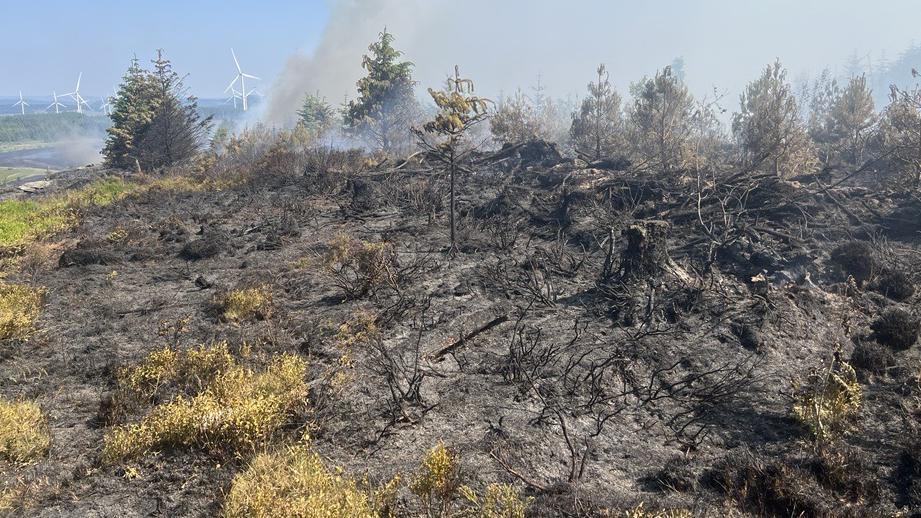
column 49, row 127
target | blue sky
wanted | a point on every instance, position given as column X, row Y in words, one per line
column 44, row 45
column 503, row 44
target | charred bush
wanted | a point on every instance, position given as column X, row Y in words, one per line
column 894, row 284
column 209, row 245
column 872, row 357
column 857, row 259
column 896, row 328
column 768, row 488
column 359, row 268
column 846, row 471
column 87, row 253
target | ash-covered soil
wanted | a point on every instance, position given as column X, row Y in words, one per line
column 600, row 339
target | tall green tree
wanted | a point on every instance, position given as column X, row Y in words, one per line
column 176, row 132
column 133, row 108
column 597, row 130
column 153, row 125
column 386, row 106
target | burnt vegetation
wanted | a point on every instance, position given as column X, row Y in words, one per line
column 645, row 313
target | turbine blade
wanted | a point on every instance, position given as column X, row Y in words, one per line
column 230, row 86
column 79, row 77
column 234, row 54
column 250, row 77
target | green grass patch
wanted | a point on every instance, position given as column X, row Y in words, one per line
column 25, row 220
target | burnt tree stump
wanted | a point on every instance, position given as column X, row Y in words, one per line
column 647, row 249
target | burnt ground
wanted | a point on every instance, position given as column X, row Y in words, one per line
column 551, row 354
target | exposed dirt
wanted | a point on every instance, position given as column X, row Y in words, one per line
column 693, row 360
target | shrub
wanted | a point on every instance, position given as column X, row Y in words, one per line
column 896, row 328
column 873, row 357
column 499, row 501
column 640, row 511
column 437, row 481
column 294, row 482
column 894, row 284
column 19, row 308
column 190, row 370
column 857, row 259
column 236, row 412
column 827, row 399
column 360, row 267
column 246, row 303
column 768, row 488
column 24, row 432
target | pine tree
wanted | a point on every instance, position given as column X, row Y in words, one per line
column 768, row 126
column 133, row 108
column 177, row 131
column 444, row 136
column 852, row 118
column 386, row 105
column 660, row 123
column 315, row 115
column 597, row 130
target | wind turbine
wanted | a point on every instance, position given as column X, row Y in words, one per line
column 75, row 95
column 56, row 105
column 241, row 76
column 234, row 96
column 22, row 104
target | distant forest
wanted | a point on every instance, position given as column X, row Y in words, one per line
column 49, row 127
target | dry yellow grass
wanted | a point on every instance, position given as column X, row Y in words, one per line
column 24, row 432
column 246, row 303
column 236, row 412
column 19, row 309
column 294, row 483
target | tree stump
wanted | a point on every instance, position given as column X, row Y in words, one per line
column 647, row 249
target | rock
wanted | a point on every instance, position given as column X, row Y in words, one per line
column 33, row 187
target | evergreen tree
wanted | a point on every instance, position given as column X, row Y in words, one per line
column 315, row 115
column 768, row 126
column 152, row 126
column 851, row 120
column 660, row 120
column 516, row 120
column 444, row 136
column 177, row 131
column 386, row 105
column 597, row 129
column 133, row 108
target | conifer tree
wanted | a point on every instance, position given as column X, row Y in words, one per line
column 768, row 127
column 133, row 108
column 597, row 129
column 152, row 125
column 444, row 136
column 660, row 123
column 386, row 105
column 315, row 115
column 176, row 132
column 852, row 118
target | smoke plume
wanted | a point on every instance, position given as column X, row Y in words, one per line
column 503, row 45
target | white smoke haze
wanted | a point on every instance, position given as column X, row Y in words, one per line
column 503, row 45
